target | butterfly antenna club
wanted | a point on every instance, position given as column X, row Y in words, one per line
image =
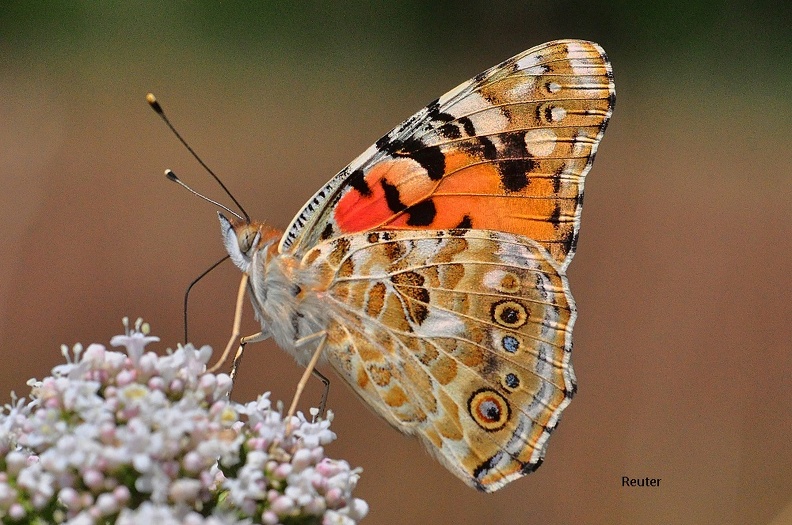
column 155, row 105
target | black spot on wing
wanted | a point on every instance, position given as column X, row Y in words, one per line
column 555, row 216
column 514, row 144
column 384, row 143
column 450, row 131
column 514, row 173
column 421, row 214
column 611, row 97
column 327, row 232
column 392, row 197
column 399, row 147
column 433, row 108
column 429, row 157
column 468, row 126
column 358, row 181
column 517, row 164
column 465, row 223
column 489, row 150
column 481, row 147
column 435, row 115
column 442, row 121
column 432, row 160
column 528, row 468
column 548, row 113
column 484, row 468
column 557, row 178
column 573, row 242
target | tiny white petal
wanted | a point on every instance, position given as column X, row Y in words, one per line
column 184, row 490
column 106, row 504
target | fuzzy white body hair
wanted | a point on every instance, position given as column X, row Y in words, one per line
column 281, row 309
column 283, row 295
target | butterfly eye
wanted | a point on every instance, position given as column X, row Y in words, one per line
column 248, row 238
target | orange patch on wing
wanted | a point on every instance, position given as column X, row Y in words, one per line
column 472, row 189
column 434, row 437
column 395, row 396
column 357, row 212
column 362, row 378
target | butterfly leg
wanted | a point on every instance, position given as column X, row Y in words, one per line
column 325, row 392
column 325, row 381
column 237, row 323
column 255, row 338
column 306, row 375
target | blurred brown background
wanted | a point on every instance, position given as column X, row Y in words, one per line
column 682, row 278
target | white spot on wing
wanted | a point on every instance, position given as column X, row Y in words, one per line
column 440, row 323
column 493, row 279
column 485, row 117
column 528, row 61
column 577, row 58
column 535, row 71
column 523, row 89
column 540, row 142
column 582, row 143
column 517, row 254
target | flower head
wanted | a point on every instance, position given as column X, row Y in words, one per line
column 134, row 437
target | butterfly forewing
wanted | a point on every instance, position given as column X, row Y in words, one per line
column 518, row 138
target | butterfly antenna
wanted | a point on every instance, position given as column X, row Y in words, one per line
column 172, row 177
column 189, row 288
column 152, row 101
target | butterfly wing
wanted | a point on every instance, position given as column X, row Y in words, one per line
column 460, row 337
column 505, row 151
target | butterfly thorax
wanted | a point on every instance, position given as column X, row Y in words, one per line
column 284, row 295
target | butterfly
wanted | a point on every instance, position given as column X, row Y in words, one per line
column 430, row 272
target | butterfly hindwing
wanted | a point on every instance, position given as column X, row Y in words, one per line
column 461, row 337
column 506, row 151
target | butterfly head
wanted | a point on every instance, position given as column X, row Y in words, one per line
column 243, row 239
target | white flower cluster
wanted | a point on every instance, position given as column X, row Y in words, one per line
column 135, row 437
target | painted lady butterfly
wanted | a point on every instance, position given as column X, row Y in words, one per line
column 430, row 272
